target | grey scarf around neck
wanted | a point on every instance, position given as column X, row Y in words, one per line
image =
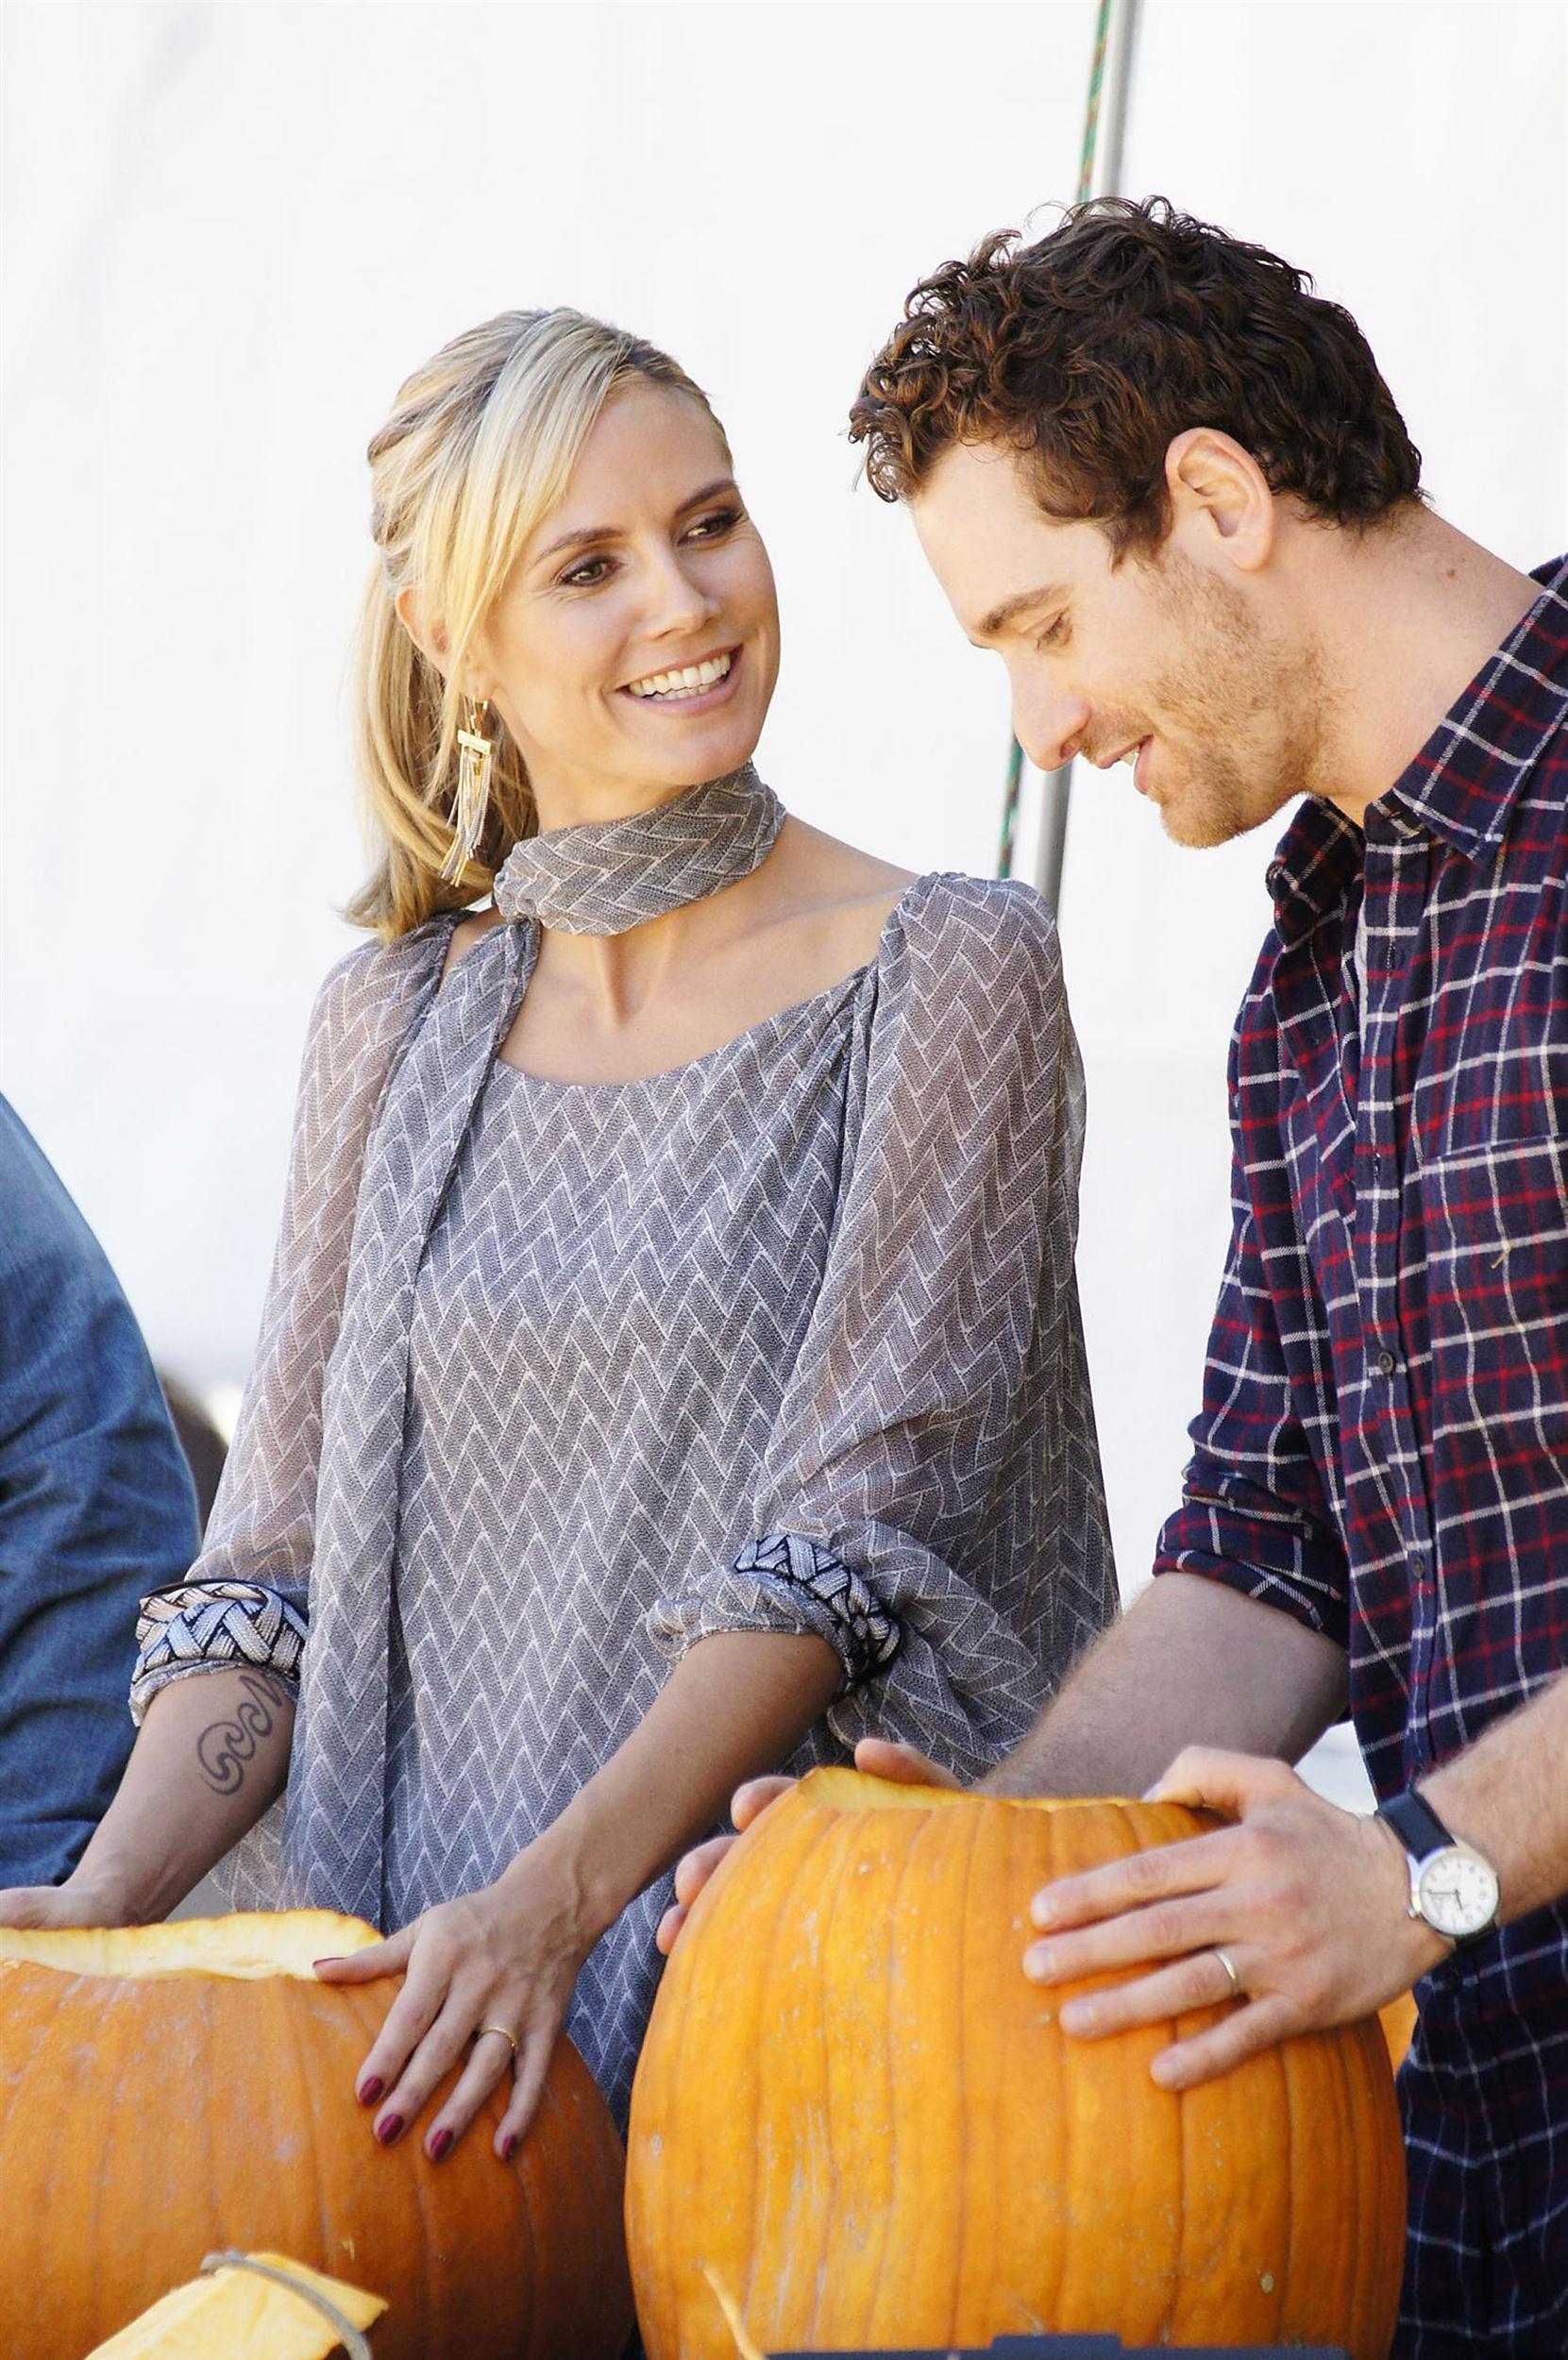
column 609, row 875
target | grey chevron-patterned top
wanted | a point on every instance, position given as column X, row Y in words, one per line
column 554, row 1379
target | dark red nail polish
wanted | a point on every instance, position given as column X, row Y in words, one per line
column 370, row 2091
column 439, row 2145
column 509, row 2146
column 389, row 2128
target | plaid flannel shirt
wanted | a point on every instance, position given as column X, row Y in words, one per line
column 1383, row 1445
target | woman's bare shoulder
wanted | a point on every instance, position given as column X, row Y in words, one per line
column 833, row 892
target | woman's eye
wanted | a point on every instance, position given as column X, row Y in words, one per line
column 585, row 574
column 708, row 527
column 1054, row 634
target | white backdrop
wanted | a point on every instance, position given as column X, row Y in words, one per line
column 233, row 227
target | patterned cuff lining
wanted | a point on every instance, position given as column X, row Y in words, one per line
column 868, row 1634
column 208, row 1623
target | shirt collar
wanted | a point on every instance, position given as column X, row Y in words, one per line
column 1464, row 782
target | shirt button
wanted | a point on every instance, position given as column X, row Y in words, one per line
column 1385, row 1364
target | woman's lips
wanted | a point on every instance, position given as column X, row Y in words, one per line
column 696, row 700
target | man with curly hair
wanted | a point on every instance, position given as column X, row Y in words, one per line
column 1166, row 482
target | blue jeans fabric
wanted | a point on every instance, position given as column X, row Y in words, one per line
column 96, row 1508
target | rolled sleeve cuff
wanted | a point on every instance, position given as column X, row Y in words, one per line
column 1279, row 1557
column 209, row 1627
column 785, row 1582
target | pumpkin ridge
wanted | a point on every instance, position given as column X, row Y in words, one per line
column 846, row 1839
column 774, row 2237
column 889, row 1989
column 960, row 2229
column 807, row 1859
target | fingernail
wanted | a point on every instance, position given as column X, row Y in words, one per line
column 509, row 2146
column 1039, row 1963
column 439, row 2145
column 1078, row 2016
column 389, row 2128
column 334, row 1961
column 1042, row 1908
column 370, row 2091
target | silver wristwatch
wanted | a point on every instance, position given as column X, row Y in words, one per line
column 1453, row 1889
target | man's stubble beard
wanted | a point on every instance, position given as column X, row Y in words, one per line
column 1250, row 716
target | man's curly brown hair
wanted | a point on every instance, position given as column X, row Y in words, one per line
column 1092, row 349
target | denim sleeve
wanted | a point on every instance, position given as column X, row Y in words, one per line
column 96, row 1508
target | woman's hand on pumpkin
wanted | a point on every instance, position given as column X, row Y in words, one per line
column 1309, row 1904
column 507, row 1957
column 879, row 1758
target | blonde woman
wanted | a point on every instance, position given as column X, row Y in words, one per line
column 671, row 1368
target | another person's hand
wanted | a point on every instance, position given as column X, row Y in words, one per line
column 875, row 1755
column 488, row 1976
column 71, row 1903
column 1309, row 1903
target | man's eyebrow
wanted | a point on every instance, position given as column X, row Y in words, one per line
column 590, row 534
column 1010, row 609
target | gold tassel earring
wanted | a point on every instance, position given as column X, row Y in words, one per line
column 475, row 754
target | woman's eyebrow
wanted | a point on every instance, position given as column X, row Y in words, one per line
column 586, row 533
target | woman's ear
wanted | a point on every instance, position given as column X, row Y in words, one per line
column 1217, row 490
column 430, row 643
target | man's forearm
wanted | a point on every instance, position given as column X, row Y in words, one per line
column 212, row 1753
column 1191, row 1663
column 1508, row 1795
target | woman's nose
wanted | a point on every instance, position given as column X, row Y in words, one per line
column 677, row 602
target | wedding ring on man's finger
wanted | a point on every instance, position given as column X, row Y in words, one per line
column 510, row 2038
column 1229, row 1964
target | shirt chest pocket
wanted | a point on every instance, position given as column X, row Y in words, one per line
column 1497, row 1231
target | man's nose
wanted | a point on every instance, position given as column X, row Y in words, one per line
column 1050, row 728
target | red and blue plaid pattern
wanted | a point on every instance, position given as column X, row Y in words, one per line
column 1383, row 1446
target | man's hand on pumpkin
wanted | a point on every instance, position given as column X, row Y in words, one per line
column 487, row 1979
column 1309, row 1903
column 877, row 1757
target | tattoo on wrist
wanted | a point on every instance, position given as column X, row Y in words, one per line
column 225, row 1749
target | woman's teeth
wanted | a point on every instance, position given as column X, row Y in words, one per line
column 690, row 681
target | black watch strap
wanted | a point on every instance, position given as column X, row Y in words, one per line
column 1416, row 1824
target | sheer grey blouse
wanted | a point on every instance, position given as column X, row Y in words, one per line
column 555, row 1379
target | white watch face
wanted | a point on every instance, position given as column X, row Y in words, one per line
column 1457, row 1893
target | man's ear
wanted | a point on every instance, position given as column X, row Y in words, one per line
column 1221, row 497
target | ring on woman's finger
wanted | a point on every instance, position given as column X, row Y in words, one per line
column 510, row 2038
column 1229, row 1964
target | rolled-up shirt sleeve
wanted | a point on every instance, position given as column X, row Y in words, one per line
column 1256, row 1511
column 247, row 1598
column 932, row 1503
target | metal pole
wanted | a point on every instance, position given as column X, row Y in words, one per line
column 1110, row 87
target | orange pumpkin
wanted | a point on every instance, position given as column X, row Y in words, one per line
column 859, row 2121
column 167, row 2091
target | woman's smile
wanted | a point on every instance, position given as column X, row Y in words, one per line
column 695, row 687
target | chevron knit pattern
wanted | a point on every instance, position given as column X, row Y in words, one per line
column 214, row 1622
column 554, row 1380
column 609, row 875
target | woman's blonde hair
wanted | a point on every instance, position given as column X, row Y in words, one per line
column 479, row 449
